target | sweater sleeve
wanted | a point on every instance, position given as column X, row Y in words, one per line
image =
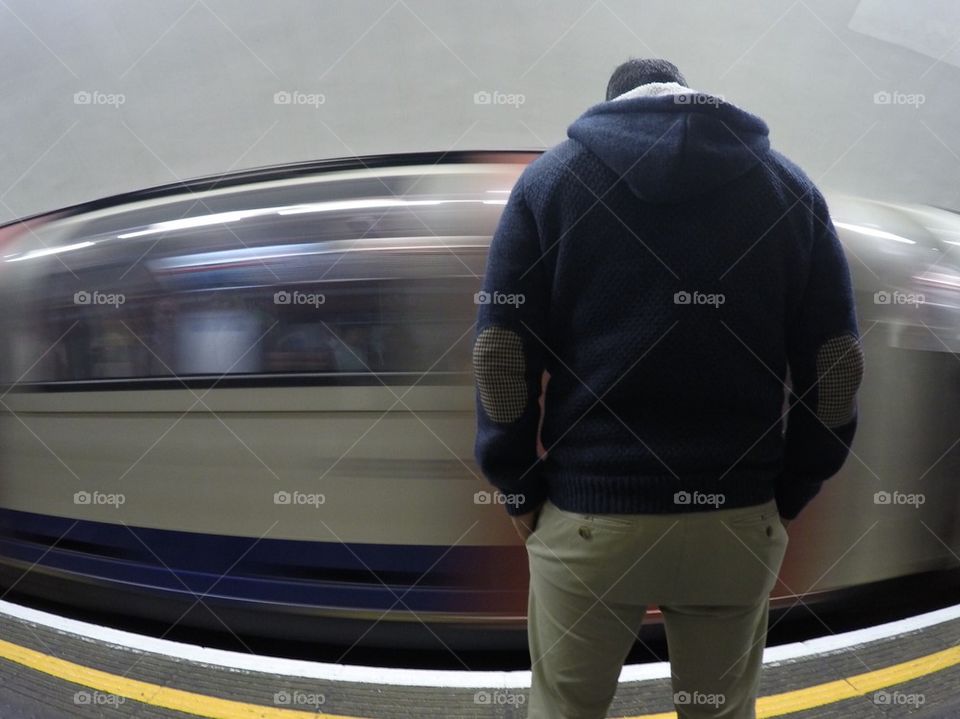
column 508, row 358
column 826, row 366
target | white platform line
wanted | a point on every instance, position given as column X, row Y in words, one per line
column 239, row 661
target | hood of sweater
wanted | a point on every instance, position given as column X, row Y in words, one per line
column 670, row 142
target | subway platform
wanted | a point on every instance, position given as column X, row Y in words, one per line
column 52, row 667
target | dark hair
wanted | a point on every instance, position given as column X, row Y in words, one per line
column 639, row 71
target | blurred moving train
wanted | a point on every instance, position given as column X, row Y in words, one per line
column 252, row 394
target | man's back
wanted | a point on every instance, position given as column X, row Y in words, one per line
column 687, row 265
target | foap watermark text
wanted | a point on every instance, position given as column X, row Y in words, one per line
column 95, row 97
column 95, row 297
column 296, row 97
column 299, row 499
column 713, row 299
column 498, row 298
column 896, row 297
column 313, row 299
column 699, row 499
column 495, row 97
column 100, row 499
column 915, row 500
column 484, row 497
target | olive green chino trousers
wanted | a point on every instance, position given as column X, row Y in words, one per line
column 592, row 578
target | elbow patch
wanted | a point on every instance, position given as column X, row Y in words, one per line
column 500, row 368
column 839, row 372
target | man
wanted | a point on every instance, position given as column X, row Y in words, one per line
column 673, row 268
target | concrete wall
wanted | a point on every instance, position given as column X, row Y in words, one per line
column 198, row 80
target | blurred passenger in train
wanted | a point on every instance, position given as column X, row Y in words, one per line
column 218, row 337
column 115, row 349
column 303, row 347
column 162, row 337
column 350, row 349
column 671, row 267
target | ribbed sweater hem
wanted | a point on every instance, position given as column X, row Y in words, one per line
column 659, row 494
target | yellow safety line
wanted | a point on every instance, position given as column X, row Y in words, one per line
column 215, row 708
column 777, row 705
column 153, row 694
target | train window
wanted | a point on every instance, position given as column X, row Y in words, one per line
column 267, row 297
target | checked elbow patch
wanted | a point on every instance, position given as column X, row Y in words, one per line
column 500, row 367
column 839, row 371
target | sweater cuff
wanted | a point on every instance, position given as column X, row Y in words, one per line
column 793, row 495
column 533, row 495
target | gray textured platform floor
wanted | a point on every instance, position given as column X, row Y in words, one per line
column 29, row 694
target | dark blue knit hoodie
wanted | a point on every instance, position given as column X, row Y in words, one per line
column 665, row 267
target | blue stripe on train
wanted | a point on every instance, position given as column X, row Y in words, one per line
column 320, row 573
